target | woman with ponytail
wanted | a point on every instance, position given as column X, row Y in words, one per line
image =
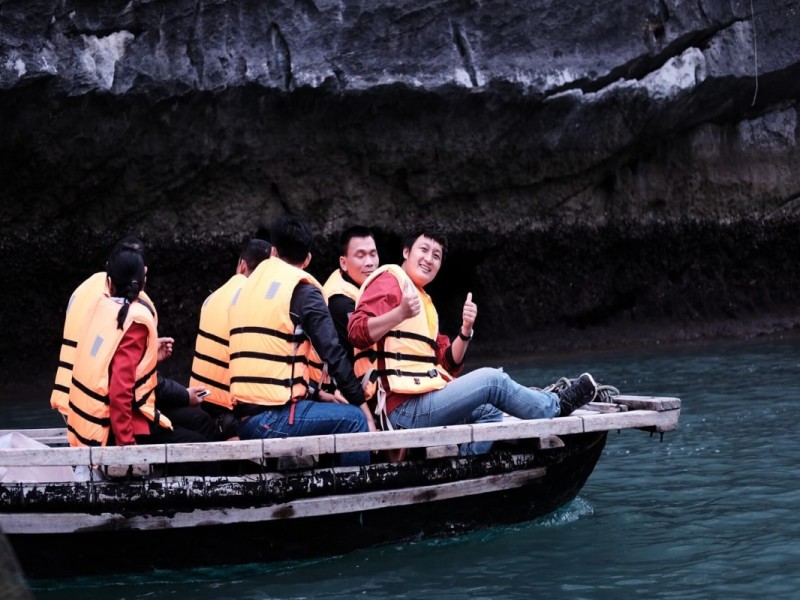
column 112, row 396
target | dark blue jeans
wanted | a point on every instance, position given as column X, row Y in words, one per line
column 310, row 418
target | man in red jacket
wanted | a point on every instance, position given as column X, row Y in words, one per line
column 414, row 366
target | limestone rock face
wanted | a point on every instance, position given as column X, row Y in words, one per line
column 599, row 164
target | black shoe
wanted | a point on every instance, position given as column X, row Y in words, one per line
column 580, row 392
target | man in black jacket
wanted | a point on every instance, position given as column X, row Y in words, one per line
column 270, row 353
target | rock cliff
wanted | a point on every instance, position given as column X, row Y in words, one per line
column 603, row 166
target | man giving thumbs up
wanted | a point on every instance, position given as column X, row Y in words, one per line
column 402, row 354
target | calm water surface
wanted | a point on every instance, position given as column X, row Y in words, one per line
column 710, row 512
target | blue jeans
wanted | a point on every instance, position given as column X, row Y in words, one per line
column 477, row 397
column 310, row 418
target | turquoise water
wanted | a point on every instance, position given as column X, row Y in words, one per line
column 712, row 511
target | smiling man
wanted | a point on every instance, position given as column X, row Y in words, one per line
column 358, row 259
column 412, row 367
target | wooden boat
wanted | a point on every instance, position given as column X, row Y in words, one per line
column 281, row 507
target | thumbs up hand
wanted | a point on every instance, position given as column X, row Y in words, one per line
column 468, row 315
column 410, row 301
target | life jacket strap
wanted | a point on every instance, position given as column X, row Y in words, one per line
column 413, row 336
column 89, row 392
column 213, row 338
column 399, row 373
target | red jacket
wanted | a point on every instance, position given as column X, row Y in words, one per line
column 381, row 296
column 125, row 421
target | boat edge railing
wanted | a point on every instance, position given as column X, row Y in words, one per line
column 649, row 413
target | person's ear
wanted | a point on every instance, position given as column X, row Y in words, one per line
column 343, row 264
column 307, row 261
column 406, row 252
column 241, row 267
column 110, row 286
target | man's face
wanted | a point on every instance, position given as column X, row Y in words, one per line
column 360, row 260
column 423, row 260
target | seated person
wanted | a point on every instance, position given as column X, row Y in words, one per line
column 357, row 260
column 211, row 363
column 412, row 367
column 279, row 315
column 178, row 402
column 111, row 401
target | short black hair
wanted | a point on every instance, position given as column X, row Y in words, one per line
column 430, row 229
column 292, row 236
column 255, row 251
column 356, row 231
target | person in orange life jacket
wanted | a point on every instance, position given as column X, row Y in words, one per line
column 174, row 400
column 130, row 415
column 210, row 366
column 416, row 365
column 357, row 260
column 279, row 315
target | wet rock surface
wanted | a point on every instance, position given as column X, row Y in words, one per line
column 610, row 172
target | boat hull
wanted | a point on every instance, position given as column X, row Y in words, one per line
column 373, row 506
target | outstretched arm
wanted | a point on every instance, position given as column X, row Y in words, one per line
column 468, row 315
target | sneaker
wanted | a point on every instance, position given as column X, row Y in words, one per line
column 579, row 393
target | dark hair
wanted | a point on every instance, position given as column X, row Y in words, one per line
column 129, row 242
column 430, row 229
column 292, row 236
column 254, row 252
column 356, row 231
column 125, row 268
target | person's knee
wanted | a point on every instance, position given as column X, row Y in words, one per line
column 492, row 376
column 357, row 420
column 488, row 414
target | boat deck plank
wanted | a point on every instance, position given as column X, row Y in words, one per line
column 650, row 413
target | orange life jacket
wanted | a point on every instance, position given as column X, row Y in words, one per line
column 81, row 300
column 269, row 355
column 406, row 355
column 336, row 284
column 89, row 422
column 211, row 363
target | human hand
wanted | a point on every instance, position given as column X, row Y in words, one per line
column 468, row 315
column 196, row 394
column 165, row 347
column 335, row 397
column 370, row 419
column 409, row 303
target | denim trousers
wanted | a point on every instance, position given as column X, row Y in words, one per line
column 310, row 418
column 479, row 396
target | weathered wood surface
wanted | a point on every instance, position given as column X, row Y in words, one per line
column 39, row 523
column 657, row 403
column 650, row 413
column 164, row 522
